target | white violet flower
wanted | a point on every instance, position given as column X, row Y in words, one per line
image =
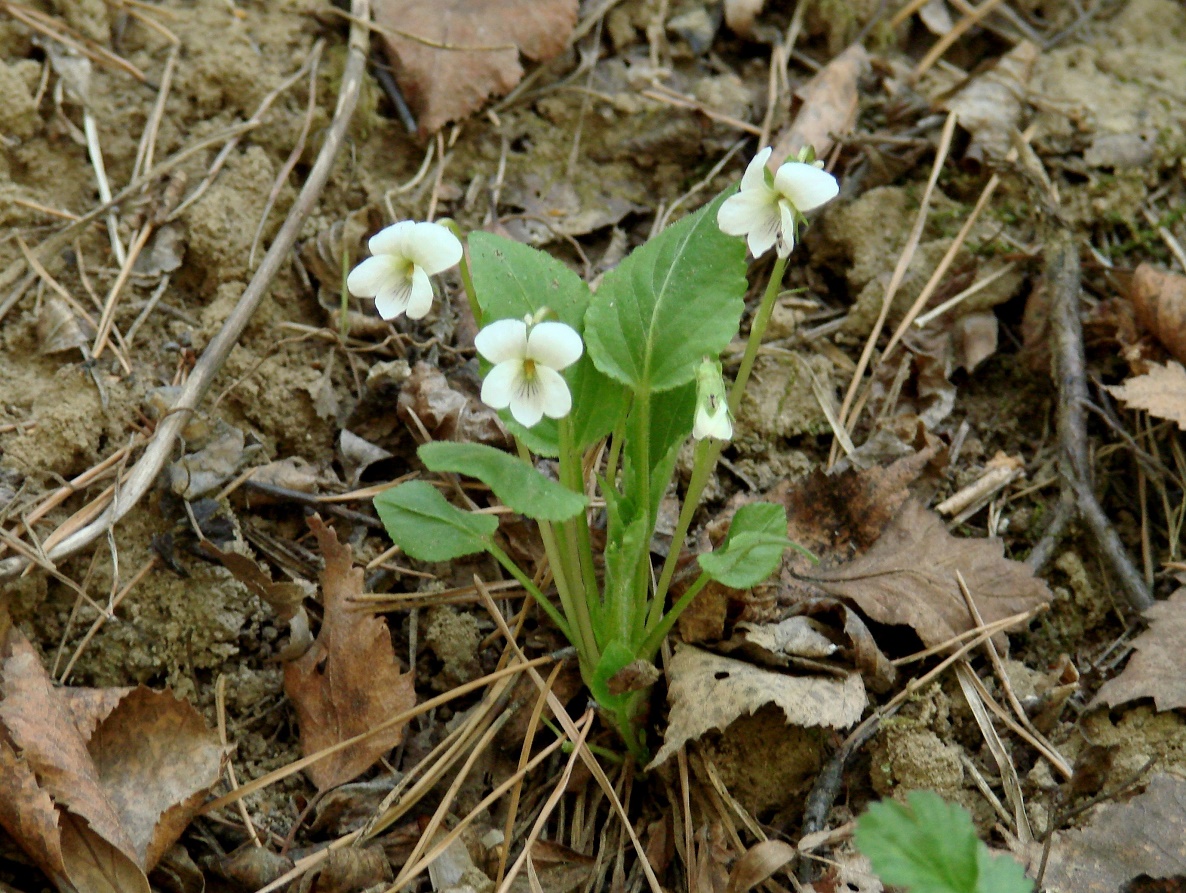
column 527, row 362
column 767, row 208
column 712, row 404
column 404, row 255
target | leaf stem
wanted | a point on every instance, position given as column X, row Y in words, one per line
column 525, row 581
column 651, row 645
column 467, row 282
column 756, row 330
column 705, row 460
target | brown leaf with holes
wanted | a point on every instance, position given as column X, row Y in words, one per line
column 908, row 578
column 96, row 784
column 708, row 691
column 1160, row 301
column 349, row 682
column 1158, row 668
column 1161, row 392
column 1142, row 836
column 451, row 55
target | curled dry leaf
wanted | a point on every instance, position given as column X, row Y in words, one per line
column 740, row 15
column 96, row 786
column 990, row 106
column 349, row 681
column 428, row 403
column 708, row 692
column 450, row 57
column 1160, row 300
column 1158, row 669
column 1143, row 836
column 908, row 578
column 758, row 863
column 829, row 107
column 1161, row 392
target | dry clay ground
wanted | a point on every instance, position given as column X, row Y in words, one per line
column 1071, row 117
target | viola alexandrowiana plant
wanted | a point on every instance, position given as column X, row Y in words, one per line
column 610, row 384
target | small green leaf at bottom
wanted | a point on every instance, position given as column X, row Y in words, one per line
column 427, row 527
column 930, row 846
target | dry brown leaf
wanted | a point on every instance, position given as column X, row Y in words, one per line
column 829, row 107
column 1160, row 300
column 990, row 106
column 96, row 784
column 1161, row 392
column 285, row 598
column 1158, row 669
column 350, row 680
column 758, row 863
column 1143, row 836
column 708, row 692
column 908, row 578
column 450, row 57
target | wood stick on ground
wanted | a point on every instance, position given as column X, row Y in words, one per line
column 160, row 449
column 1062, row 280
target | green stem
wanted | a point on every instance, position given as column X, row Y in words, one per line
column 525, row 581
column 651, row 645
column 572, row 476
column 705, row 461
column 756, row 330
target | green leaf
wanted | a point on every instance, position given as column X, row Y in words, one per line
column 930, row 846
column 427, row 527
column 672, row 301
column 752, row 549
column 614, row 657
column 598, row 403
column 513, row 280
column 672, row 416
column 626, row 542
column 513, row 481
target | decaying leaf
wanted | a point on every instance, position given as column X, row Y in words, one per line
column 281, row 596
column 1143, row 836
column 449, row 57
column 775, row 643
column 95, row 788
column 829, row 106
column 741, row 14
column 708, row 692
column 990, row 106
column 1160, row 300
column 1158, row 669
column 350, row 680
column 429, row 404
column 59, row 330
column 908, row 578
column 1161, row 392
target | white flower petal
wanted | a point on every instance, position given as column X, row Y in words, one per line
column 503, row 340
column 786, row 228
column 392, row 239
column 391, row 302
column 805, row 185
column 372, row 276
column 740, row 213
column 755, row 174
column 419, row 295
column 528, row 405
column 554, row 345
column 765, row 233
column 716, row 425
column 502, row 384
column 552, row 392
column 433, row 247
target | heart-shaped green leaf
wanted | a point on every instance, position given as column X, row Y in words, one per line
column 673, row 301
column 513, row 280
column 752, row 549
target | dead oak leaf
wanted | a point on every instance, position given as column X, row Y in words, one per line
column 1143, row 836
column 1158, row 669
column 708, row 692
column 1161, row 392
column 908, row 578
column 96, row 784
column 349, row 681
column 451, row 55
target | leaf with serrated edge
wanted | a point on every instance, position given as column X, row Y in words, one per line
column 427, row 527
column 708, row 692
column 516, row 483
column 673, row 301
column 1161, row 392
